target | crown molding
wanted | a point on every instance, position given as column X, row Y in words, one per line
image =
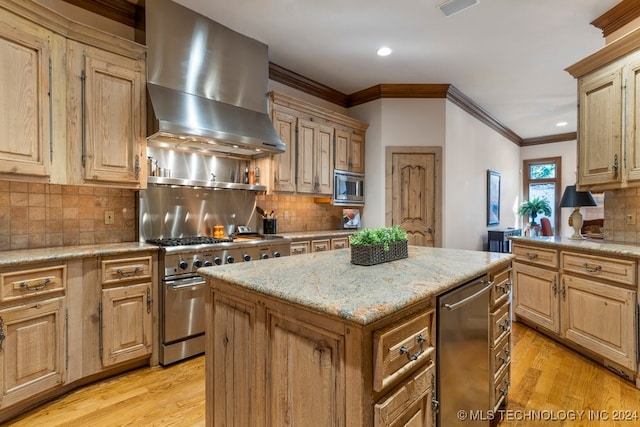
column 617, row 17
column 121, row 11
column 306, row 85
column 561, row 137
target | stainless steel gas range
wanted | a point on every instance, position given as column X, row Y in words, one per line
column 182, row 291
column 179, row 220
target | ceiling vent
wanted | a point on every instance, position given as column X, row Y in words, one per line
column 454, row 6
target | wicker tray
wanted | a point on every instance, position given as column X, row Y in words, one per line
column 375, row 254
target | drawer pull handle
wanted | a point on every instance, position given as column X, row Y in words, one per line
column 45, row 282
column 506, row 388
column 506, row 359
column 122, row 273
column 532, row 256
column 505, row 288
column 592, row 269
column 404, row 350
column 504, row 326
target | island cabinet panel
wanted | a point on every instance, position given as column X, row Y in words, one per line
column 272, row 363
column 236, row 375
column 33, row 349
column 306, row 374
column 25, row 107
column 400, row 348
column 588, row 302
column 410, row 404
column 600, row 318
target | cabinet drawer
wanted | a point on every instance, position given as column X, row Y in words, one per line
column 500, row 356
column 500, row 388
column 36, row 281
column 500, row 324
column 398, row 349
column 398, row 402
column 501, row 289
column 121, row 270
column 617, row 270
column 340, row 243
column 538, row 256
column 320, row 245
column 299, row 248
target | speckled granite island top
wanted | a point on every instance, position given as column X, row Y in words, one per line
column 328, row 283
column 602, row 247
column 18, row 257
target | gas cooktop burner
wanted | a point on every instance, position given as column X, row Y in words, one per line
column 185, row 241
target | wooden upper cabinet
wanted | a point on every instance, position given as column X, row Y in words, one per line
column 284, row 165
column 106, row 113
column 25, row 106
column 600, row 117
column 349, row 152
column 315, row 158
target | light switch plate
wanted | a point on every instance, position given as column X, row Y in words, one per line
column 109, row 217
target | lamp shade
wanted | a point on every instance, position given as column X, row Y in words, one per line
column 573, row 198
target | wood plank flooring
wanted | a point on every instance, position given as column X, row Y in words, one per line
column 546, row 376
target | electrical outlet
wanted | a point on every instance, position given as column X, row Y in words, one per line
column 285, row 215
column 109, row 217
column 630, row 218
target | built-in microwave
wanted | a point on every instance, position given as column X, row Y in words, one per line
column 348, row 188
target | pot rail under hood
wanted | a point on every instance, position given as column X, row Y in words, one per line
column 207, row 84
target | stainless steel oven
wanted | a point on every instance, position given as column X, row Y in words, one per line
column 348, row 188
column 183, row 291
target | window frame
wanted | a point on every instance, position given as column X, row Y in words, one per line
column 526, row 181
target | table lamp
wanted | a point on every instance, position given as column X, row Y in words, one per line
column 574, row 199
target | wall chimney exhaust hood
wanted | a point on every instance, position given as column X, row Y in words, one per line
column 207, row 85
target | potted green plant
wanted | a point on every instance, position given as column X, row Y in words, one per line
column 382, row 244
column 532, row 208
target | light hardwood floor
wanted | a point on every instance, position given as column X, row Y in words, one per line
column 546, row 376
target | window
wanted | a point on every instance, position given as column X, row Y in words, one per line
column 542, row 178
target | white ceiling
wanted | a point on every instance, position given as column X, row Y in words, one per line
column 508, row 56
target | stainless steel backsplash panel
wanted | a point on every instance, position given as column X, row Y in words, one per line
column 183, row 211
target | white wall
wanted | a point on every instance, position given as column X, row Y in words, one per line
column 471, row 148
column 568, row 151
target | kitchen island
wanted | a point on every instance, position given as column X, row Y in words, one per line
column 316, row 340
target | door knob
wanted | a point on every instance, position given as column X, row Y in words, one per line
column 429, row 230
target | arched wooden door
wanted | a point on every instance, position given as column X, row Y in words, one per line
column 413, row 193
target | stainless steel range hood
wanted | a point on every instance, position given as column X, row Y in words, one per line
column 207, row 85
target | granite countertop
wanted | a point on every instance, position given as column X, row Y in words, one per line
column 327, row 282
column 310, row 235
column 598, row 247
column 23, row 256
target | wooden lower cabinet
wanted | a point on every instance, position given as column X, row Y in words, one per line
column 126, row 323
column 66, row 321
column 536, row 295
column 32, row 349
column 600, row 318
column 270, row 363
column 588, row 302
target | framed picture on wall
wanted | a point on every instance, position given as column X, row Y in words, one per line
column 493, row 197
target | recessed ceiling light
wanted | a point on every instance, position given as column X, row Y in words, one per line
column 384, row 51
column 560, row 124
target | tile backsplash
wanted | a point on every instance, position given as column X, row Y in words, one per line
column 303, row 213
column 618, row 204
column 35, row 215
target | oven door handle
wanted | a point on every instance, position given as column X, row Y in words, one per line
column 181, row 284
